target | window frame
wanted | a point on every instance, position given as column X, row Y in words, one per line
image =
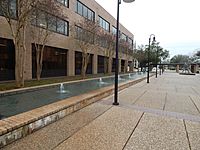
column 80, row 7
column 55, row 27
column 104, row 23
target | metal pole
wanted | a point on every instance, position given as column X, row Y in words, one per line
column 160, row 66
column 157, row 61
column 148, row 60
column 116, row 58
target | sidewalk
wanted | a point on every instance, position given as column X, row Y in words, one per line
column 164, row 114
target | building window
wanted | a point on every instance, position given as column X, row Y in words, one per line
column 7, row 60
column 130, row 41
column 64, row 2
column 124, row 37
column 78, row 63
column 104, row 24
column 54, row 62
column 61, row 26
column 84, row 35
column 50, row 22
column 114, row 30
column 84, row 11
column 10, row 8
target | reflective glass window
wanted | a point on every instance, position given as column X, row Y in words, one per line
column 104, row 24
column 64, row 2
column 60, row 26
column 84, row 11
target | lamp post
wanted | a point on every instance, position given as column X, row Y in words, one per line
column 116, row 53
column 154, row 39
column 157, row 60
column 160, row 66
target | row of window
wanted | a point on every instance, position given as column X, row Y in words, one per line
column 56, row 24
column 47, row 21
column 84, row 35
column 123, row 37
column 104, row 24
column 84, row 11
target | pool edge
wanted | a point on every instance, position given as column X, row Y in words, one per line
column 21, row 125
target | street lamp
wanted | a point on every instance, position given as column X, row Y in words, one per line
column 160, row 66
column 116, row 57
column 154, row 40
column 157, row 60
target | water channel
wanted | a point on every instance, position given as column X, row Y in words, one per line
column 21, row 102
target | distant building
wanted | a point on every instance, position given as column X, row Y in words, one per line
column 60, row 56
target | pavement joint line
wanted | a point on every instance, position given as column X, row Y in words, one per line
column 162, row 113
column 133, row 131
column 187, row 134
column 139, row 97
column 165, row 102
column 194, row 104
column 195, row 91
column 81, row 128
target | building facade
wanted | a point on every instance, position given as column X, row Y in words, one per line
column 61, row 57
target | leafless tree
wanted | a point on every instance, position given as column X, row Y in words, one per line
column 107, row 41
column 42, row 24
column 85, row 33
column 17, row 14
column 125, row 48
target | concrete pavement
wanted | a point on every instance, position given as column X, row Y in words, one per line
column 163, row 114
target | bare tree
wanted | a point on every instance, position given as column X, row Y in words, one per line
column 107, row 41
column 85, row 33
column 17, row 14
column 43, row 22
column 124, row 48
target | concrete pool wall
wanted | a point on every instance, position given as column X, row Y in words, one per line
column 21, row 125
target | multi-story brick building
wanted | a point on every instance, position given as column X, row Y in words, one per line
column 61, row 57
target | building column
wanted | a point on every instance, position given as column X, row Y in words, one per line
column 71, row 63
column 177, row 68
column 94, row 64
column 119, row 63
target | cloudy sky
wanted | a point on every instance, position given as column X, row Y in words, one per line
column 176, row 23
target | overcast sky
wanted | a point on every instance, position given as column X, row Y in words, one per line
column 175, row 23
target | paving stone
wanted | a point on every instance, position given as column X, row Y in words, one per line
column 110, row 131
column 158, row 133
column 196, row 100
column 180, row 103
column 193, row 129
column 152, row 99
column 53, row 134
column 131, row 95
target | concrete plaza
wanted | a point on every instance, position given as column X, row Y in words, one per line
column 164, row 114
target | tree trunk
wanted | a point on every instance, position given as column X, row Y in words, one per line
column 85, row 58
column 38, row 72
column 19, row 63
column 105, row 65
column 39, row 60
column 125, row 66
column 110, row 65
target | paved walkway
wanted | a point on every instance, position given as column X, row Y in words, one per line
column 164, row 114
